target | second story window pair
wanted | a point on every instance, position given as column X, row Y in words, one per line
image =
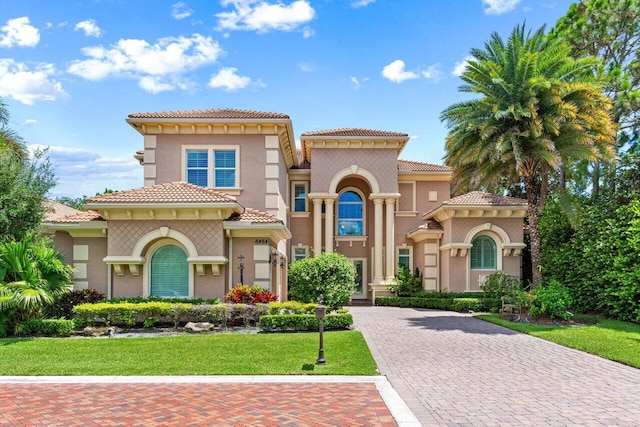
column 212, row 167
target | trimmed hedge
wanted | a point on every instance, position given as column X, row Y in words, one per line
column 48, row 327
column 150, row 313
column 451, row 304
column 304, row 322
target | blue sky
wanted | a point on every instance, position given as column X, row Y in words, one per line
column 72, row 70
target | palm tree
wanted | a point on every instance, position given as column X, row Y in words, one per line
column 32, row 275
column 10, row 142
column 538, row 111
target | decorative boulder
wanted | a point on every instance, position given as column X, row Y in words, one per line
column 196, row 327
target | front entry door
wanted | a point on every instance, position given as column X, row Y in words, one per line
column 360, row 287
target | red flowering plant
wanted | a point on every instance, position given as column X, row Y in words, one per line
column 243, row 294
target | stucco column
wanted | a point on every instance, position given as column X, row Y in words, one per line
column 317, row 227
column 391, row 248
column 328, row 225
column 378, row 275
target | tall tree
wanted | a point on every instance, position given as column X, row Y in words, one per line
column 536, row 111
column 610, row 31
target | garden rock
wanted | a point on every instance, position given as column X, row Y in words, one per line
column 196, row 327
column 101, row 331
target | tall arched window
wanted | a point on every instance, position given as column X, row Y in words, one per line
column 484, row 254
column 350, row 214
column 169, row 272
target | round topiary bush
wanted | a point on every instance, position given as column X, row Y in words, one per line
column 326, row 279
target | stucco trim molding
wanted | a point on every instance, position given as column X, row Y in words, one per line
column 457, row 249
column 202, row 261
column 164, row 232
column 357, row 171
column 507, row 247
column 119, row 262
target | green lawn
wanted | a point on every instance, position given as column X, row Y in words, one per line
column 611, row 339
column 346, row 353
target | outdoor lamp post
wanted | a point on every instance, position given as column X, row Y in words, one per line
column 321, row 311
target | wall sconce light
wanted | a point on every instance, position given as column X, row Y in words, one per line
column 274, row 258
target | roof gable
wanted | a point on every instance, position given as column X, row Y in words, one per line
column 172, row 192
column 478, row 204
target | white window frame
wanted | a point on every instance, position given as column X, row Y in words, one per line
column 305, row 248
column 293, row 197
column 337, row 214
column 498, row 252
column 410, row 249
column 211, row 166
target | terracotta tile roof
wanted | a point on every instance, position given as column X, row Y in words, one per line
column 255, row 216
column 355, row 132
column 411, row 166
column 172, row 192
column 77, row 218
column 431, row 224
column 218, row 113
column 479, row 198
column 59, row 213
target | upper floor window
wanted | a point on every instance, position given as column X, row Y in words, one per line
column 299, row 197
column 198, row 167
column 350, row 214
column 215, row 167
column 484, row 254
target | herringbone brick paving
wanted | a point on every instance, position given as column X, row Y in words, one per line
column 454, row 370
column 200, row 404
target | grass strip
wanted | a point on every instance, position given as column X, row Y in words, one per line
column 346, row 353
column 611, row 339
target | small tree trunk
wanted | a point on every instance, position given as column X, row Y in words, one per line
column 595, row 180
column 532, row 211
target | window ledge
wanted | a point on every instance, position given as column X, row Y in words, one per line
column 300, row 214
column 351, row 239
column 406, row 213
column 235, row 191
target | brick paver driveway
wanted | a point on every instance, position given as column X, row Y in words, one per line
column 452, row 369
column 196, row 401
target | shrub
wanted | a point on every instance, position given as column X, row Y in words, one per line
column 63, row 305
column 48, row 327
column 501, row 285
column 304, row 322
column 243, row 294
column 405, row 283
column 291, row 307
column 326, row 279
column 451, row 304
column 181, row 300
column 552, row 299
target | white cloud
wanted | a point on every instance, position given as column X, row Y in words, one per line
column 90, row 28
column 459, row 68
column 19, row 32
column 157, row 67
column 180, row 10
column 357, row 82
column 262, row 16
column 306, row 67
column 30, row 122
column 361, row 3
column 498, row 7
column 82, row 172
column 29, row 86
column 228, row 79
column 432, row 72
column 396, row 73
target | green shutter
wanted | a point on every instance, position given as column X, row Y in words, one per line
column 169, row 272
column 483, row 255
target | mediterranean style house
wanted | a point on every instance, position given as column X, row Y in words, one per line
column 227, row 199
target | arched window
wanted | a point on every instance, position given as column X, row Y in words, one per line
column 169, row 272
column 350, row 214
column 484, row 255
